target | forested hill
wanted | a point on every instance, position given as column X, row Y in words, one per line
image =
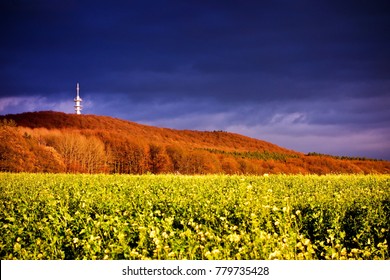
column 58, row 142
column 218, row 140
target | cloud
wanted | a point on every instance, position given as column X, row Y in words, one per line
column 13, row 105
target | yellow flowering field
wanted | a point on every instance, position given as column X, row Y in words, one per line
column 67, row 216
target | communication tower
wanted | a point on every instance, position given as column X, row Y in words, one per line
column 77, row 101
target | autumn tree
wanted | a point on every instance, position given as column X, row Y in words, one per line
column 80, row 153
column 177, row 156
column 127, row 156
column 14, row 153
column 159, row 161
column 46, row 158
column 230, row 165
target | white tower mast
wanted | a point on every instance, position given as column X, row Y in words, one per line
column 77, row 101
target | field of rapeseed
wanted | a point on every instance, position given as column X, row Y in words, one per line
column 45, row 216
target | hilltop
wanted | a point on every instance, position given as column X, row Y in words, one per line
column 58, row 142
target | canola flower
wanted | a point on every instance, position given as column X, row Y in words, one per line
column 67, row 216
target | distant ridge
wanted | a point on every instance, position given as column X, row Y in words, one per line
column 128, row 147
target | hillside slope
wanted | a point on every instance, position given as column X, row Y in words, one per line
column 197, row 139
column 58, row 142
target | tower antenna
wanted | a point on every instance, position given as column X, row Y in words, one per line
column 77, row 101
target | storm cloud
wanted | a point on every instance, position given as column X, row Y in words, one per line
column 307, row 75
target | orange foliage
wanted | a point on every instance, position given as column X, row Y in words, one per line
column 58, row 142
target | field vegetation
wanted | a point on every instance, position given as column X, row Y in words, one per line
column 68, row 216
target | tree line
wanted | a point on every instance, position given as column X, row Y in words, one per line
column 113, row 151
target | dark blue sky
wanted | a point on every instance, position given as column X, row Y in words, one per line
column 306, row 75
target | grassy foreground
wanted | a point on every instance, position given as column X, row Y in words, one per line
column 45, row 216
